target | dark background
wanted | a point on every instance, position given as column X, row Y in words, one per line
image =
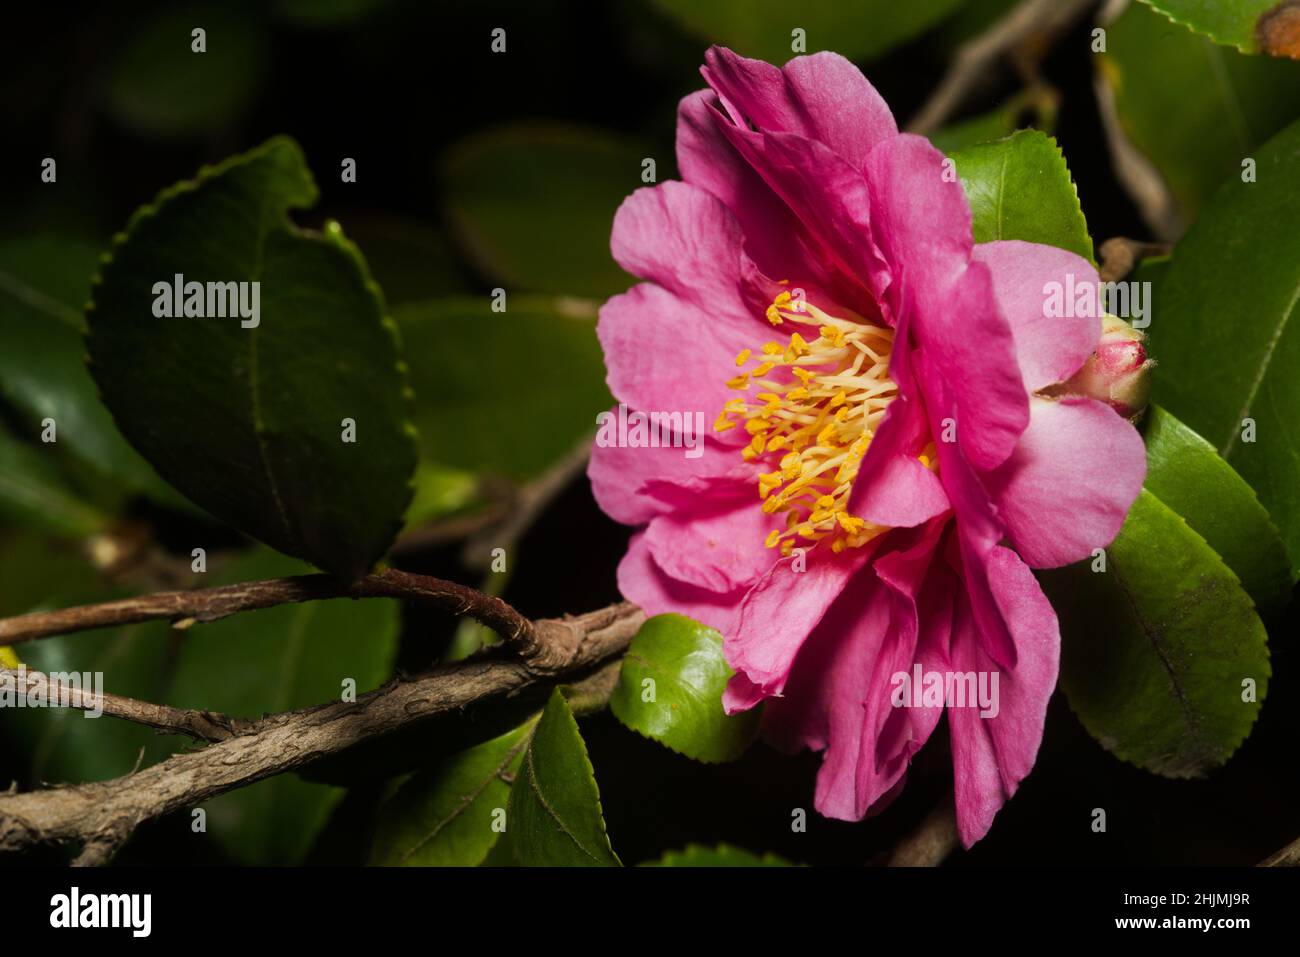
column 392, row 90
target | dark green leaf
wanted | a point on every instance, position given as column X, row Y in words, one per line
column 248, row 421
column 272, row 660
column 1185, row 473
column 554, row 816
column 1194, row 109
column 678, row 664
column 1155, row 649
column 724, row 855
column 762, row 28
column 533, row 205
column 444, row 816
column 1020, row 188
column 34, row 493
column 44, row 285
column 1227, row 340
column 507, row 392
column 159, row 86
column 1252, row 26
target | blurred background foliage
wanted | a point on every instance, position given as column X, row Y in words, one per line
column 478, row 171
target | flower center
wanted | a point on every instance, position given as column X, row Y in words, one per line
column 814, row 408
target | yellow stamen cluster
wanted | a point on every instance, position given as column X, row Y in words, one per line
column 811, row 409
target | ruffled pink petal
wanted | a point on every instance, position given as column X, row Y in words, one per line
column 1049, row 348
column 777, row 615
column 822, row 97
column 831, row 199
column 642, row 326
column 774, row 237
column 922, row 224
column 719, row 548
column 643, row 583
column 1070, row 482
column 633, row 485
column 991, row 755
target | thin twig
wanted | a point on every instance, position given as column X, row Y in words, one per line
column 209, row 604
column 200, row 725
column 1028, row 19
column 100, row 816
column 1120, row 255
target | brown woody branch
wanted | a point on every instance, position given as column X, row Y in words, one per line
column 209, row 604
column 100, row 816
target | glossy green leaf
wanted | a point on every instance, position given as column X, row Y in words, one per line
column 158, row 85
column 248, row 422
column 278, row 659
column 444, row 816
column 1158, row 650
column 507, row 392
column 1195, row 110
column 44, row 285
column 762, row 28
column 533, row 205
column 1187, row 474
column 1252, row 26
column 35, row 494
column 724, row 855
column 1228, row 338
column 1020, row 188
column 670, row 690
column 554, row 816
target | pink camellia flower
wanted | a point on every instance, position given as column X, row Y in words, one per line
column 892, row 449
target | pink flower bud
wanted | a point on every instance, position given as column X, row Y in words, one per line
column 1118, row 372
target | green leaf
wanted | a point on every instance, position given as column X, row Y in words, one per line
column 410, row 260
column 44, row 285
column 509, row 392
column 247, row 422
column 34, row 493
column 159, row 86
column 533, row 205
column 278, row 659
column 1228, row 338
column 762, row 28
column 1156, row 648
column 440, row 492
column 1194, row 109
column 1252, row 26
column 443, row 816
column 678, row 663
column 1020, row 188
column 554, row 816
column 724, row 855
column 1185, row 473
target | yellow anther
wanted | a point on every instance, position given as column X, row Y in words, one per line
column 760, row 441
column 804, row 375
column 838, row 399
column 723, row 423
column 797, row 394
column 754, row 426
column 772, row 349
column 764, row 369
column 743, row 357
column 773, row 537
column 826, row 501
column 739, row 382
column 735, row 406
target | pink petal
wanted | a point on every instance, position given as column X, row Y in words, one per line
column 780, row 611
column 821, row 97
column 992, row 755
column 643, row 583
column 633, row 485
column 717, row 548
column 1069, row 484
column 922, row 224
column 638, row 328
column 1049, row 348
